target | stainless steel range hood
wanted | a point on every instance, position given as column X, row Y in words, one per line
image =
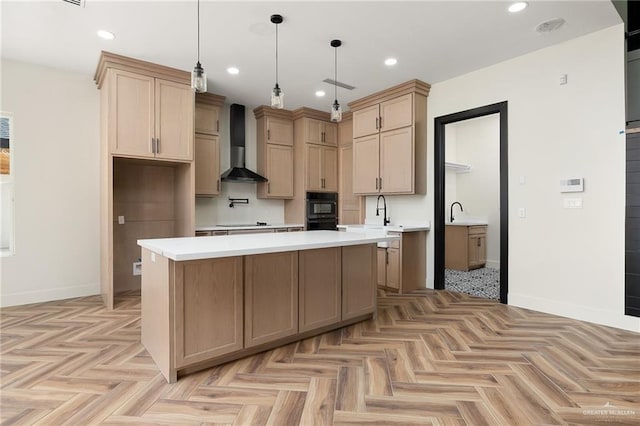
column 238, row 172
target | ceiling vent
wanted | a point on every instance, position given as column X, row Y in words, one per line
column 339, row 84
column 552, row 25
column 75, row 2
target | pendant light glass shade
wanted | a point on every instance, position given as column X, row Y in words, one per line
column 198, row 76
column 336, row 109
column 277, row 96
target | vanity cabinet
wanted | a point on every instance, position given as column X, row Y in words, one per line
column 389, row 140
column 403, row 267
column 207, row 144
column 465, row 247
column 274, row 140
column 149, row 117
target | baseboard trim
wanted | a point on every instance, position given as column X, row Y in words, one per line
column 48, row 295
column 582, row 313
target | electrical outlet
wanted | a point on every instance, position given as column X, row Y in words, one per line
column 137, row 268
column 522, row 212
column 120, row 220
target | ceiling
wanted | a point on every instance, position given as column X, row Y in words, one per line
column 432, row 40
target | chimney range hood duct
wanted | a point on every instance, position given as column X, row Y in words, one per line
column 238, row 172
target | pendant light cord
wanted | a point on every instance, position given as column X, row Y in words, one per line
column 198, row 31
column 335, row 74
column 276, row 54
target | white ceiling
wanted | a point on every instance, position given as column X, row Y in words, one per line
column 432, row 40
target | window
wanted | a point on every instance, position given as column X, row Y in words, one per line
column 7, row 237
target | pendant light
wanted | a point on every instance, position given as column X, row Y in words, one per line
column 198, row 76
column 277, row 97
column 336, row 109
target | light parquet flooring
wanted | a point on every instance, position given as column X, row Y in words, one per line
column 436, row 358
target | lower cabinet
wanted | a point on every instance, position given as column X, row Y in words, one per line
column 403, row 265
column 201, row 332
column 320, row 285
column 465, row 247
column 271, row 297
column 358, row 275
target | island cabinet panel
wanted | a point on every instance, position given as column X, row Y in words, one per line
column 320, row 285
column 208, row 309
column 358, row 278
column 271, row 297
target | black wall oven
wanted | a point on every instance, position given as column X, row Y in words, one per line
column 322, row 211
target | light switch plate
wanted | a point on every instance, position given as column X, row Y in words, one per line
column 573, row 203
column 522, row 212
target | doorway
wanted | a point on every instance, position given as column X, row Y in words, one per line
column 440, row 215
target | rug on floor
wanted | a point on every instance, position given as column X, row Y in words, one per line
column 483, row 282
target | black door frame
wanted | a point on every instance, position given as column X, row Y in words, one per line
column 439, row 208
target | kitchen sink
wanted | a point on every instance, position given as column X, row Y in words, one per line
column 370, row 228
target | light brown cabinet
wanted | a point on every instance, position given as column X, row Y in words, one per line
column 147, row 174
column 207, row 144
column 199, row 285
column 322, row 168
column 403, row 266
column 149, row 117
column 275, row 152
column 320, row 286
column 351, row 207
column 465, row 247
column 319, row 132
column 271, row 297
column 389, row 131
column 358, row 276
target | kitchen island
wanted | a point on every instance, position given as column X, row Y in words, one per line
column 210, row 300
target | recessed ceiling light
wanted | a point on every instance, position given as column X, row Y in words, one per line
column 320, row 93
column 107, row 35
column 518, row 6
column 390, row 61
column 233, row 70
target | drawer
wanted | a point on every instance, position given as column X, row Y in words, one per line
column 280, row 230
column 295, row 229
column 218, row 233
column 203, row 233
column 474, row 230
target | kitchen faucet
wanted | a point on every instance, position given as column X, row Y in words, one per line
column 451, row 213
column 385, row 220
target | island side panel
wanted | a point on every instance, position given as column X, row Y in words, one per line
column 414, row 261
column 156, row 311
column 208, row 309
column 271, row 297
column 359, row 267
column 320, row 287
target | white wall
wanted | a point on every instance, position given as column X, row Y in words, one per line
column 56, row 157
column 566, row 262
column 478, row 145
column 213, row 211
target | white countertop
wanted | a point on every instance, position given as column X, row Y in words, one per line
column 466, row 223
column 388, row 228
column 193, row 248
column 243, row 227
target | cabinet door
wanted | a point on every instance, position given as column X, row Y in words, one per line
column 366, row 158
column 365, row 121
column 207, row 119
column 345, row 132
column 313, row 130
column 320, row 288
column 477, row 250
column 207, row 165
column 393, row 268
column 397, row 161
column 314, row 167
column 202, row 332
column 279, row 171
column 348, row 201
column 396, row 113
column 381, row 267
column 131, row 119
column 330, row 134
column 271, row 297
column 349, row 217
column 359, row 278
column 174, row 120
column 279, row 131
column 330, row 169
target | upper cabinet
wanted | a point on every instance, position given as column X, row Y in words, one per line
column 150, row 109
column 274, row 143
column 207, row 144
column 389, row 140
column 319, row 132
column 350, row 206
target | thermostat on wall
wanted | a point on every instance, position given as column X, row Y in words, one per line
column 572, row 185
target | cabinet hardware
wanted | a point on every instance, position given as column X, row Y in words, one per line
column 380, row 123
column 268, row 134
column 386, row 255
column 218, row 185
column 217, row 125
column 157, row 145
column 380, row 183
column 268, row 188
column 376, row 123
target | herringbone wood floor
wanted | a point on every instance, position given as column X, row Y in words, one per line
column 429, row 358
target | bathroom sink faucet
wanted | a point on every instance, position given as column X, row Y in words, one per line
column 451, row 212
column 385, row 219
